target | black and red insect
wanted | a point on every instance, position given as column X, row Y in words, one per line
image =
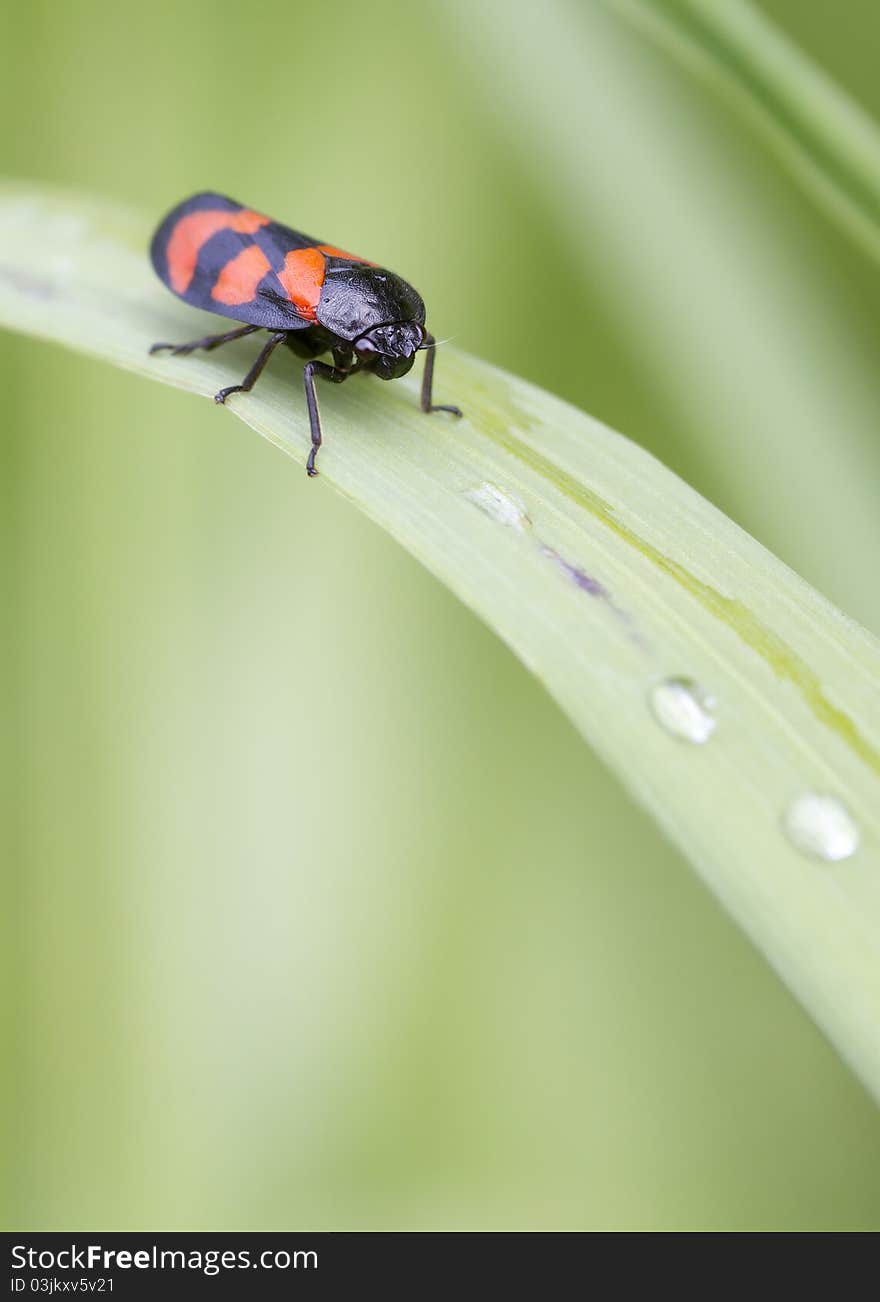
column 311, row 296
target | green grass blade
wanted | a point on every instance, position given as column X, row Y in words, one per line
column 831, row 145
column 604, row 572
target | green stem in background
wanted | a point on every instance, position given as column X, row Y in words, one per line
column 739, row 707
column 831, row 145
column 722, row 304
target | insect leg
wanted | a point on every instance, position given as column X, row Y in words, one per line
column 256, row 370
column 209, row 342
column 428, row 380
column 335, row 374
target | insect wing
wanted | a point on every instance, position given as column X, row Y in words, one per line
column 222, row 257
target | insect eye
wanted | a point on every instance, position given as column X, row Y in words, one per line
column 364, row 348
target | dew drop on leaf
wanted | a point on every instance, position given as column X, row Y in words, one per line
column 684, row 709
column 503, row 507
column 821, row 826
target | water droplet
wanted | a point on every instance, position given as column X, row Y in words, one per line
column 503, row 507
column 684, row 709
column 822, row 827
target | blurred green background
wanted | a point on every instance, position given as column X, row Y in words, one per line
column 319, row 914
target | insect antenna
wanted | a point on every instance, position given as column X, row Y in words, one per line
column 437, row 342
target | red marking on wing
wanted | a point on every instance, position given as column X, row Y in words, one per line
column 238, row 280
column 333, row 252
column 302, row 277
column 194, row 230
